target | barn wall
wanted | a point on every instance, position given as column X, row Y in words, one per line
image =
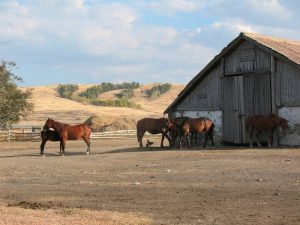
column 247, row 58
column 206, row 96
column 292, row 135
column 215, row 116
column 288, row 82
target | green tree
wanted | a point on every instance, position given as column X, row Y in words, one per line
column 157, row 90
column 14, row 103
column 67, row 90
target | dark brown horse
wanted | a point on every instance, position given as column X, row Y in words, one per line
column 48, row 135
column 68, row 132
column 153, row 126
column 267, row 123
column 175, row 130
column 195, row 126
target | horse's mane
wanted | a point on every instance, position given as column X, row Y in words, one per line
column 66, row 124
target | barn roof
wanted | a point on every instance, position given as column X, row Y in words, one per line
column 287, row 50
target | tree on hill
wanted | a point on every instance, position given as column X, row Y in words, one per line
column 159, row 89
column 96, row 90
column 14, row 103
column 67, row 90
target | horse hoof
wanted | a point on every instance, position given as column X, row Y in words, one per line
column 87, row 153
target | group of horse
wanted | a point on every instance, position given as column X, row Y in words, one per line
column 173, row 129
column 189, row 128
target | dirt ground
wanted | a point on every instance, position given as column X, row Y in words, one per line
column 122, row 184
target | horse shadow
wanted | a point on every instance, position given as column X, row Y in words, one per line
column 47, row 154
column 21, row 155
column 135, row 149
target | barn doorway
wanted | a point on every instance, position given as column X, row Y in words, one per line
column 248, row 94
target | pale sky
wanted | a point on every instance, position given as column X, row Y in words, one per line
column 89, row 41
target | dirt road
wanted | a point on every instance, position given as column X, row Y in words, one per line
column 122, row 184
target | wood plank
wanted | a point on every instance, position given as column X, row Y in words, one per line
column 273, row 85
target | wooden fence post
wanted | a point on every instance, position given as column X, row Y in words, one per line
column 9, row 136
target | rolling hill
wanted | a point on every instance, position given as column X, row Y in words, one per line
column 47, row 103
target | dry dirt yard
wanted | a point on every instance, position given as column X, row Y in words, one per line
column 122, row 184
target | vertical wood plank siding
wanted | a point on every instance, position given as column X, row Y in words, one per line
column 289, row 91
column 207, row 95
column 231, row 126
column 246, row 58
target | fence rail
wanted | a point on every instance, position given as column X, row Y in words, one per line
column 35, row 136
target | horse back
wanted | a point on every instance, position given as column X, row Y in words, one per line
column 76, row 131
column 152, row 125
column 179, row 121
column 263, row 122
column 199, row 124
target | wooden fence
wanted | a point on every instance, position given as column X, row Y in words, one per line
column 20, row 135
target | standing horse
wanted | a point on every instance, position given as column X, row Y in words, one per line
column 153, row 126
column 175, row 130
column 268, row 123
column 68, row 132
column 195, row 126
column 48, row 135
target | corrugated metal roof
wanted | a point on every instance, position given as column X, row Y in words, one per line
column 283, row 48
column 288, row 48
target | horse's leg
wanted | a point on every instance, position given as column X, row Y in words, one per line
column 60, row 147
column 188, row 140
column 140, row 137
column 206, row 138
column 250, row 133
column 42, row 146
column 162, row 140
column 212, row 138
column 257, row 138
column 270, row 138
column 63, row 145
column 164, row 134
column 88, row 143
column 192, row 137
column 180, row 140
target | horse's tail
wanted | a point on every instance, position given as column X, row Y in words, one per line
column 88, row 123
column 211, row 128
column 137, row 132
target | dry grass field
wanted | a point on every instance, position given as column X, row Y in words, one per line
column 120, row 183
column 49, row 104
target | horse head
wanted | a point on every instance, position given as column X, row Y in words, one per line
column 283, row 124
column 48, row 124
column 168, row 123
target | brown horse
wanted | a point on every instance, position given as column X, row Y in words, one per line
column 175, row 130
column 68, row 132
column 48, row 135
column 195, row 126
column 268, row 123
column 153, row 126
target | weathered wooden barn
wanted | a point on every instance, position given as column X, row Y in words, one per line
column 253, row 75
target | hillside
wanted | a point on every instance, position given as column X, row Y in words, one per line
column 49, row 104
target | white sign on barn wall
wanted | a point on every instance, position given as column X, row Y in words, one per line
column 292, row 135
column 214, row 116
